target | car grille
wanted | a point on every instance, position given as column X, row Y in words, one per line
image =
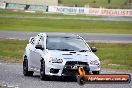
column 70, row 68
column 72, row 63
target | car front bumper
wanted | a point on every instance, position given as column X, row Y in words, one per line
column 61, row 69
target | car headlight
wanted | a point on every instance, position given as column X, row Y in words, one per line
column 95, row 62
column 56, row 60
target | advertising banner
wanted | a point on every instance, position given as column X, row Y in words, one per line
column 16, row 6
column 67, row 10
column 109, row 12
column 35, row 7
column 90, row 11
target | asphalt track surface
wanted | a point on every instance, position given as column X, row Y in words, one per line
column 11, row 75
column 89, row 37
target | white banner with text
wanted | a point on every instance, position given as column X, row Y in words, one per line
column 90, row 11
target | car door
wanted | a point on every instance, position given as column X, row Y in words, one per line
column 37, row 53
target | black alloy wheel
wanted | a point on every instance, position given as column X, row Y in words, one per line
column 25, row 68
column 42, row 70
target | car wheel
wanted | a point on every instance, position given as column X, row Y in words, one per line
column 42, row 71
column 25, row 68
column 95, row 72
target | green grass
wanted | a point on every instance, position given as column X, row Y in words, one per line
column 60, row 25
column 12, row 50
column 9, row 13
column 97, row 3
column 119, row 54
column 20, row 21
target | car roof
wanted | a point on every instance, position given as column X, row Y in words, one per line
column 67, row 35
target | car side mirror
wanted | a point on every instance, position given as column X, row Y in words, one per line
column 39, row 47
column 93, row 49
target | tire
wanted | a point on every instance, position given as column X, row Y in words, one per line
column 25, row 68
column 42, row 71
column 96, row 72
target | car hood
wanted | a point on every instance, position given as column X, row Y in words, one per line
column 74, row 56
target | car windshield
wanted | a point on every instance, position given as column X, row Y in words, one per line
column 66, row 44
